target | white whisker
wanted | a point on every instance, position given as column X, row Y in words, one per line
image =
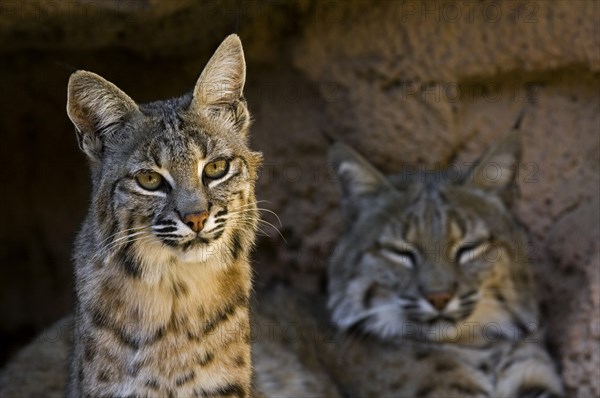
column 121, row 232
column 248, row 223
column 116, row 243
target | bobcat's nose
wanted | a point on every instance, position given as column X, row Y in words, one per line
column 195, row 220
column 439, row 300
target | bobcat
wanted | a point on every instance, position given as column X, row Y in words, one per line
column 162, row 269
column 429, row 287
column 435, row 266
column 161, row 263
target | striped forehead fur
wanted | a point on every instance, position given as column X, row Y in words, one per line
column 440, row 220
column 162, row 260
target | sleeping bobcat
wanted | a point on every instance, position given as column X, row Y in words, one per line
column 436, row 266
column 430, row 290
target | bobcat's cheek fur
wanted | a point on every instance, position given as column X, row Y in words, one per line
column 402, row 251
column 162, row 271
column 435, row 273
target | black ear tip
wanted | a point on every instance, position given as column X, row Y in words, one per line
column 70, row 68
column 328, row 137
column 520, row 118
column 339, row 152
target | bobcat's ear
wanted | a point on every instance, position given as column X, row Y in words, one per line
column 355, row 175
column 219, row 90
column 497, row 169
column 96, row 107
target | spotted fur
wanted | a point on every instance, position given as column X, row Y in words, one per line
column 162, row 304
column 432, row 269
column 162, row 309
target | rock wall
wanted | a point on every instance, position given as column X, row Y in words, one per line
column 413, row 83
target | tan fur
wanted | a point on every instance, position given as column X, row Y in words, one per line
column 40, row 369
column 413, row 239
column 407, row 238
column 162, row 309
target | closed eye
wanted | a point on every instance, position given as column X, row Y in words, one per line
column 470, row 252
column 405, row 257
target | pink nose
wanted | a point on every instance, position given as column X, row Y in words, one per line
column 195, row 220
column 439, row 300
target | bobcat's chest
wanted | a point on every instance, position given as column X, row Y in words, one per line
column 184, row 365
column 184, row 333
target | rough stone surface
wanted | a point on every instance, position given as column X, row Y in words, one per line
column 408, row 84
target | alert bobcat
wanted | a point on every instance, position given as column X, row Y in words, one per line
column 162, row 260
column 432, row 271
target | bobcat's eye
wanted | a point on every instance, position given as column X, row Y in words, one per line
column 401, row 256
column 217, row 169
column 149, row 180
column 470, row 251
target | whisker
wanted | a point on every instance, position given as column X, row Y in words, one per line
column 127, row 236
column 115, row 243
column 275, row 228
column 259, row 230
column 255, row 203
column 122, row 231
column 243, row 222
column 168, row 235
column 272, row 226
column 245, row 208
column 273, row 213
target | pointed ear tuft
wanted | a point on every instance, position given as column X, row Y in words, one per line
column 223, row 78
column 219, row 90
column 96, row 107
column 355, row 175
column 497, row 169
